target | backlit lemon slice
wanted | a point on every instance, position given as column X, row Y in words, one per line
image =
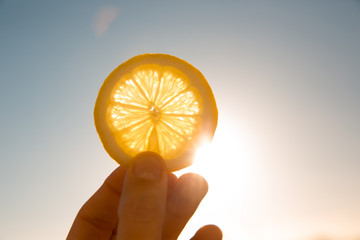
column 158, row 103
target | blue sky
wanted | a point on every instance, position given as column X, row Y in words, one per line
column 285, row 75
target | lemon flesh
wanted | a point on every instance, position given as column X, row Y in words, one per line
column 158, row 103
column 154, row 109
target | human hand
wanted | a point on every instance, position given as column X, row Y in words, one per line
column 143, row 202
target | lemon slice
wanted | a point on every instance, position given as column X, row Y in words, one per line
column 158, row 103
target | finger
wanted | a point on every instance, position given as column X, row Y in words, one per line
column 208, row 232
column 142, row 205
column 186, row 196
column 98, row 217
column 172, row 180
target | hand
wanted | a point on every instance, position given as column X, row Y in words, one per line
column 143, row 202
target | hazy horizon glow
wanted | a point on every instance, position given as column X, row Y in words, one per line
column 284, row 162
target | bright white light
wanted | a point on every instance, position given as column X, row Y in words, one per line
column 226, row 164
column 226, row 157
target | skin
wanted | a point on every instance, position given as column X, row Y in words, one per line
column 143, row 202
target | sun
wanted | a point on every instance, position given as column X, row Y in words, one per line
column 226, row 164
column 225, row 159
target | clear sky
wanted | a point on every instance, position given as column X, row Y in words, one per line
column 285, row 161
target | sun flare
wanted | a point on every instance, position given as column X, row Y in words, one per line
column 226, row 157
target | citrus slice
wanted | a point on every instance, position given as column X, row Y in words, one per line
column 158, row 103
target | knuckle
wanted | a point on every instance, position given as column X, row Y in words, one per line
column 100, row 222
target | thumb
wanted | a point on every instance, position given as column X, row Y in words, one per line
column 142, row 205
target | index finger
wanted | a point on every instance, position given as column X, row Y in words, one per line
column 143, row 202
column 97, row 219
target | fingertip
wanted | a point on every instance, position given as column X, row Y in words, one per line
column 195, row 182
column 172, row 179
column 208, row 232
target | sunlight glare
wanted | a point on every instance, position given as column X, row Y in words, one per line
column 225, row 159
column 227, row 165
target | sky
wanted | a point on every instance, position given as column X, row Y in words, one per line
column 284, row 162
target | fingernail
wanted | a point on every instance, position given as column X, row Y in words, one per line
column 148, row 166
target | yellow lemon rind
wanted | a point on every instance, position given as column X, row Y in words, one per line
column 209, row 114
